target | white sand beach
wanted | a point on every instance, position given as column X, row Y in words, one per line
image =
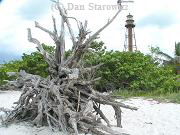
column 152, row 118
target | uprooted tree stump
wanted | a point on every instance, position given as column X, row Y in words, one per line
column 65, row 99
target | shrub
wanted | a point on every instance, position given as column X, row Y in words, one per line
column 135, row 71
column 132, row 71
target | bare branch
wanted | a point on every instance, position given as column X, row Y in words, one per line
column 71, row 32
column 46, row 55
column 81, row 48
column 85, row 70
column 83, row 32
column 98, row 110
column 54, row 25
column 118, row 111
column 88, row 41
column 63, row 13
column 45, row 30
column 33, row 40
column 59, row 41
column 89, row 82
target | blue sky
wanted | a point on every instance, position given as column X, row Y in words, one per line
column 162, row 20
column 157, row 24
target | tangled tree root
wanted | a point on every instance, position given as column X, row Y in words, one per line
column 72, row 106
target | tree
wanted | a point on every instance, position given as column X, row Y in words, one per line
column 177, row 57
column 177, row 49
column 166, row 58
column 65, row 99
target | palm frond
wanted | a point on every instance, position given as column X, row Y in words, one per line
column 177, row 49
column 165, row 55
column 170, row 62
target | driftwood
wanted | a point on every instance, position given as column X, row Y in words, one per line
column 12, row 85
column 65, row 99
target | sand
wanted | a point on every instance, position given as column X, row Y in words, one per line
column 152, row 118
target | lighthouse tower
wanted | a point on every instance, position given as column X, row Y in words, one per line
column 130, row 40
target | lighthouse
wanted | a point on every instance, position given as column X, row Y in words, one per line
column 130, row 40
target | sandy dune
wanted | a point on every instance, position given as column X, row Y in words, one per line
column 152, row 118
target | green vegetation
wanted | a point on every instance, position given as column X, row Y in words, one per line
column 177, row 49
column 173, row 97
column 165, row 58
column 11, row 66
column 34, row 63
column 135, row 71
column 128, row 74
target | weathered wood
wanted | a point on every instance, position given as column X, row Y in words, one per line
column 90, row 69
column 57, row 104
column 46, row 55
column 65, row 100
column 98, row 110
column 117, row 110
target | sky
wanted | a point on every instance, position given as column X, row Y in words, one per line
column 157, row 24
